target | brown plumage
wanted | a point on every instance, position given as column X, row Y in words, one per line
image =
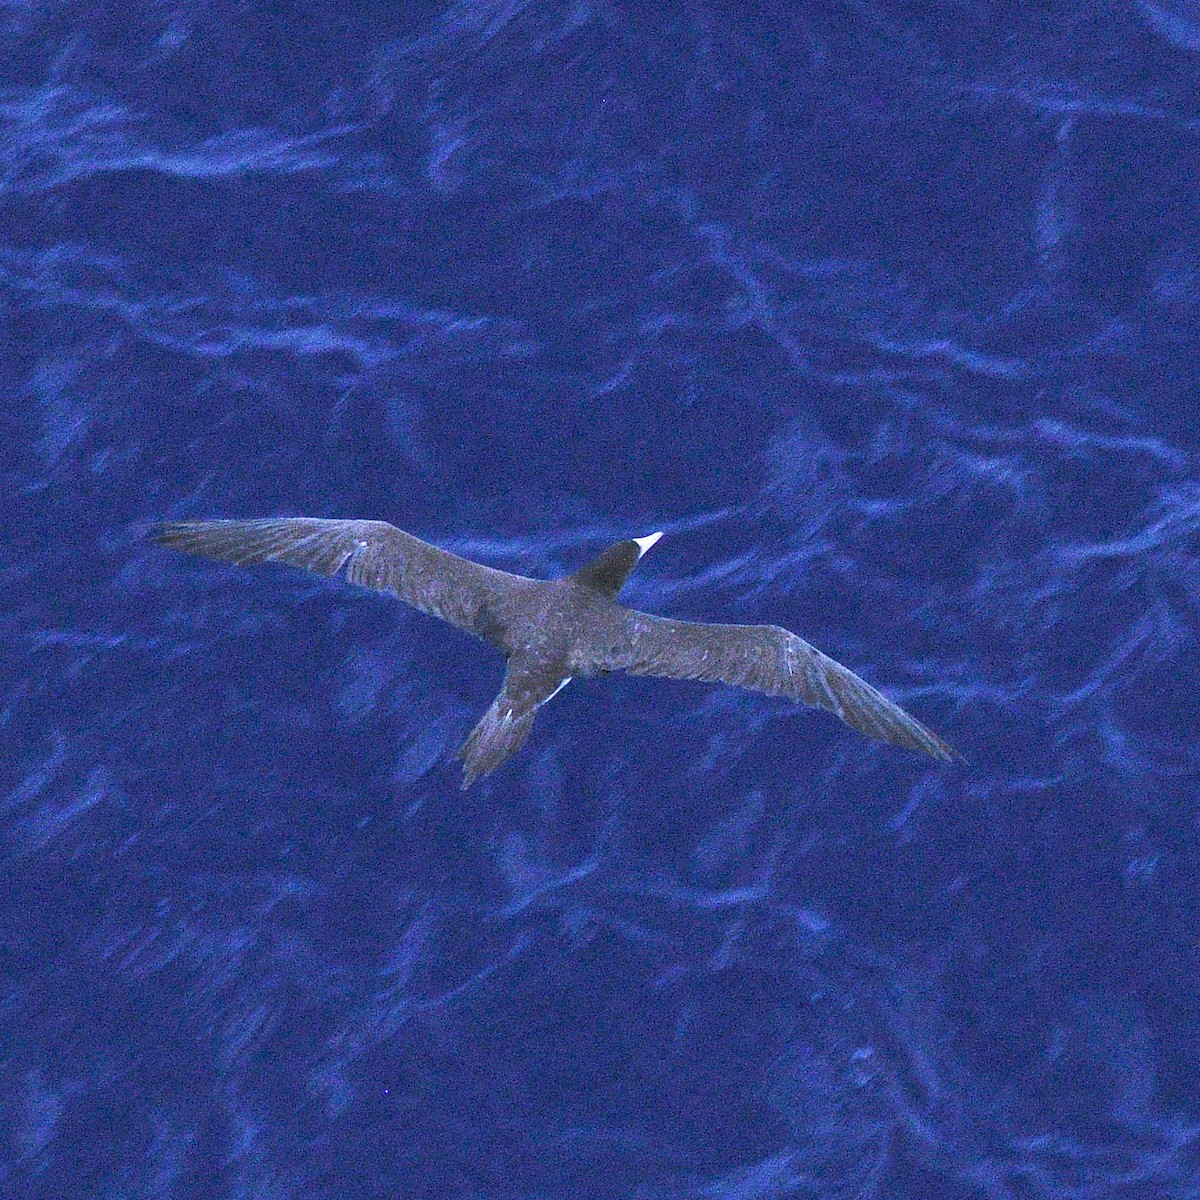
column 553, row 631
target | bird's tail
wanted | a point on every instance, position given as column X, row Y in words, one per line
column 501, row 732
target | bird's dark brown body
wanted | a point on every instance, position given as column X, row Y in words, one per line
column 554, row 630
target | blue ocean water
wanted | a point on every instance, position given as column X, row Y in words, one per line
column 886, row 314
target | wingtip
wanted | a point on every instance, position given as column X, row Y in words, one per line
column 947, row 753
column 168, row 533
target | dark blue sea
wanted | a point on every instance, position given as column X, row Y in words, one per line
column 887, row 314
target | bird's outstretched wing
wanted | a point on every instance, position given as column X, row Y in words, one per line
column 375, row 554
column 767, row 658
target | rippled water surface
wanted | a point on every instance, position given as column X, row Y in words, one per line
column 886, row 314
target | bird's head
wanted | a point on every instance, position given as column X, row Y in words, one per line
column 608, row 572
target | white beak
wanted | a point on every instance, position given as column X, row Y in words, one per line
column 644, row 543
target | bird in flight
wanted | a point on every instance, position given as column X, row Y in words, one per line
column 553, row 631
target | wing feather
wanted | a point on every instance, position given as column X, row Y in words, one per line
column 769, row 659
column 375, row 555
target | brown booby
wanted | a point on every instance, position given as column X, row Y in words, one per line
column 554, row 631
